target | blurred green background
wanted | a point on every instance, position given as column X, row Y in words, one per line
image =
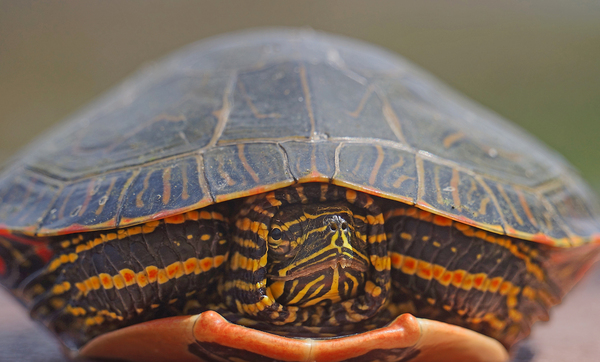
column 535, row 62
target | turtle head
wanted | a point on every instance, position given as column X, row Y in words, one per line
column 307, row 260
column 317, row 254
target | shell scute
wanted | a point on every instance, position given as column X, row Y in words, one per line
column 451, row 191
column 575, row 209
column 391, row 171
column 311, row 161
column 361, row 110
column 137, row 124
column 174, row 184
column 88, row 203
column 235, row 170
column 268, row 103
column 25, row 198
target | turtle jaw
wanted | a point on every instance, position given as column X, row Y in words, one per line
column 342, row 261
column 334, row 278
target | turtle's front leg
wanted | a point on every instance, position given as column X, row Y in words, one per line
column 101, row 281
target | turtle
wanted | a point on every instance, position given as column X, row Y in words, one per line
column 290, row 195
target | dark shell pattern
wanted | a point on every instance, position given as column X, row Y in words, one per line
column 242, row 114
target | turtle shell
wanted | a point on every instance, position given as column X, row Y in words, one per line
column 246, row 113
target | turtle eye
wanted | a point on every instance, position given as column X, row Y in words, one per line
column 276, row 234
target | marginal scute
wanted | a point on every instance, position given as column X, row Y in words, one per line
column 25, row 198
column 454, row 192
column 311, row 161
column 87, row 203
column 388, row 170
column 525, row 214
column 174, row 184
column 572, row 201
column 244, row 167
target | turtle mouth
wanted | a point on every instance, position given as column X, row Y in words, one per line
column 341, row 261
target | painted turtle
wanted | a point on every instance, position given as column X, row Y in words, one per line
column 291, row 195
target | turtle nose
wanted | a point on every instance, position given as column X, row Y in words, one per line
column 340, row 228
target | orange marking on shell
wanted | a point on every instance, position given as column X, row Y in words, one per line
column 378, row 162
column 103, row 200
column 441, row 220
column 139, row 201
column 314, row 176
column 245, row 163
column 453, row 138
column 166, row 178
column 543, row 239
column 454, row 182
